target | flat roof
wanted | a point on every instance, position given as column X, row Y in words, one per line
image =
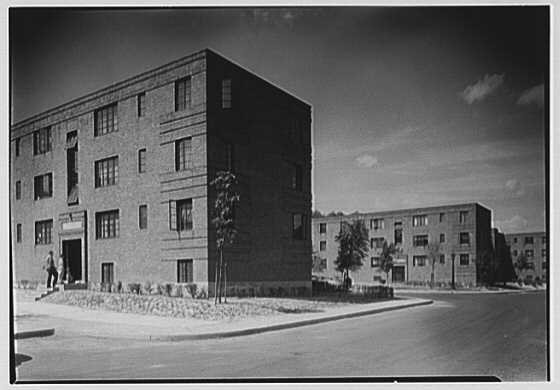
column 137, row 78
column 400, row 211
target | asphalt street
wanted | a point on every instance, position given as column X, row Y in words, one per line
column 502, row 335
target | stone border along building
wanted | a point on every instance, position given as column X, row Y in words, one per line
column 463, row 233
column 533, row 245
column 118, row 180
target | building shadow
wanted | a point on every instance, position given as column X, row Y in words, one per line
column 21, row 358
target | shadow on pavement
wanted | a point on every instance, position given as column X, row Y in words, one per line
column 21, row 358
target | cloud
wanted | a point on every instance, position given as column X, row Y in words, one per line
column 482, row 88
column 514, row 187
column 534, row 95
column 366, row 161
column 515, row 224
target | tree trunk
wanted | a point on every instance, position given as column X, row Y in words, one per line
column 225, row 281
column 220, row 277
column 216, row 281
column 432, row 276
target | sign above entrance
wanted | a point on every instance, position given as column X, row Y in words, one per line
column 72, row 225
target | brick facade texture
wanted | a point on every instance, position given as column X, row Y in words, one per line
column 259, row 126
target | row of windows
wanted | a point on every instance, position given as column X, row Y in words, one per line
column 107, row 170
column 529, row 253
column 184, row 271
column 106, row 118
column 421, row 260
column 530, row 240
column 417, row 220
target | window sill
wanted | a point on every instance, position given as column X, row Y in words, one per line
column 105, row 238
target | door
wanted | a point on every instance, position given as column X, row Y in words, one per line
column 72, row 254
column 398, row 274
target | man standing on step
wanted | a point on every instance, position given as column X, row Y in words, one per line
column 51, row 270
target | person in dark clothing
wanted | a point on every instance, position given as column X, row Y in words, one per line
column 51, row 270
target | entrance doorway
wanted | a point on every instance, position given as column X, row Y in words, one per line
column 72, row 255
column 398, row 274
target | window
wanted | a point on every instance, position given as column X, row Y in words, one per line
column 544, row 239
column 18, row 232
column 515, row 253
column 142, row 161
column 143, row 217
column 374, row 262
column 226, row 93
column 298, row 226
column 184, row 271
column 528, row 240
column 515, row 240
column 180, row 215
column 17, row 147
column 43, row 186
column 529, row 253
column 182, row 94
column 141, row 102
column 419, row 220
column 464, row 238
column 42, row 141
column 183, row 154
column 377, row 242
column 107, row 172
column 107, row 273
column 43, row 232
column 418, row 261
column 543, row 252
column 296, row 183
column 398, row 234
column 106, row 120
column 441, row 216
column 442, row 237
column 463, row 216
column 464, row 259
column 18, row 189
column 322, row 228
column 107, row 224
column 322, row 245
column 543, row 265
column 377, row 224
column 442, row 259
column 420, row 240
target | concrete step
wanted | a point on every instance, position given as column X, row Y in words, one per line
column 45, row 292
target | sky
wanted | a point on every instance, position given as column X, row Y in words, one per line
column 412, row 106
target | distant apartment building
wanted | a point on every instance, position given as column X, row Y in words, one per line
column 533, row 245
column 118, row 181
column 461, row 233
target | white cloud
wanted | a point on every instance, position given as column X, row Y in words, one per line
column 515, row 224
column 366, row 161
column 534, row 95
column 482, row 88
column 514, row 187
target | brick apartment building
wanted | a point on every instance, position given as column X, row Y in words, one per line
column 533, row 246
column 462, row 232
column 118, row 180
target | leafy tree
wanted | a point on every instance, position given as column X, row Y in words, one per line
column 224, row 222
column 316, row 214
column 386, row 258
column 353, row 247
column 522, row 264
column 433, row 252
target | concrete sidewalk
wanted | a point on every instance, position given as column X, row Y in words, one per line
column 403, row 291
column 72, row 321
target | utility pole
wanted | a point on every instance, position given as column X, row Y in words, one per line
column 453, row 271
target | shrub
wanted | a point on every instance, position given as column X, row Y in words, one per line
column 134, row 288
column 166, row 290
column 193, row 290
column 202, row 293
column 119, row 287
column 146, row 288
column 156, row 289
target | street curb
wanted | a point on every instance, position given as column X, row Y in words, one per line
column 34, row 333
column 250, row 331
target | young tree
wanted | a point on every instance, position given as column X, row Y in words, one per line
column 224, row 222
column 353, row 247
column 433, row 252
column 386, row 258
